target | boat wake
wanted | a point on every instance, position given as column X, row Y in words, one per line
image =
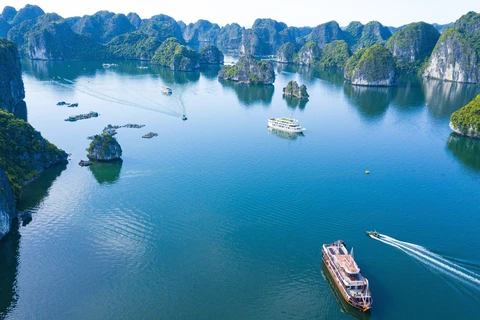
column 102, row 96
column 434, row 261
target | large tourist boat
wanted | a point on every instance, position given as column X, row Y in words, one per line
column 285, row 124
column 348, row 279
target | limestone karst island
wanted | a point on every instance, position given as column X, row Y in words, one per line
column 155, row 165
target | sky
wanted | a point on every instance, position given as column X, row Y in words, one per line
column 292, row 12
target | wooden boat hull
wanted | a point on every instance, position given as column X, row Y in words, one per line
column 339, row 288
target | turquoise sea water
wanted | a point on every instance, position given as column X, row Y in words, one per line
column 218, row 218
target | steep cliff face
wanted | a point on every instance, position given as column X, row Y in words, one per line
column 24, row 153
column 12, row 91
column 373, row 33
column 52, row 38
column 454, row 59
column 7, row 204
column 326, row 33
column 456, row 56
column 103, row 26
column 201, row 31
column 353, row 33
column 176, row 56
column 466, row 121
column 412, row 46
column 293, row 90
column 286, row 53
column 104, row 147
column 162, row 27
column 230, row 37
column 309, row 54
column 249, row 70
column 266, row 37
column 211, row 55
column 373, row 66
column 134, row 19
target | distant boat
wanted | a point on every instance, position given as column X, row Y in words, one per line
column 373, row 234
column 349, row 280
column 142, row 67
column 166, row 90
column 285, row 124
column 109, row 65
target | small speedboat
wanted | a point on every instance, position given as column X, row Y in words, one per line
column 373, row 234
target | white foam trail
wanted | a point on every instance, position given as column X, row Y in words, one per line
column 434, row 260
column 433, row 255
column 105, row 97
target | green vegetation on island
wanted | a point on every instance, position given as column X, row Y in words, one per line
column 134, row 46
column 286, row 53
column 466, row 121
column 334, row 55
column 412, row 45
column 211, row 55
column 249, row 70
column 373, row 66
column 293, row 90
column 24, row 153
column 104, row 147
column 176, row 56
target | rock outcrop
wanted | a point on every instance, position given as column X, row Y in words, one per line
column 230, row 37
column 373, row 33
column 265, row 37
column 103, row 26
column 334, row 55
column 176, row 56
column 456, row 56
column 162, row 27
column 466, row 121
column 309, row 54
column 211, row 55
column 133, row 46
column 286, row 53
column 12, row 91
column 411, row 46
column 373, row 66
column 454, row 59
column 51, row 38
column 293, row 90
column 249, row 70
column 104, row 147
column 201, row 31
column 7, row 204
column 326, row 33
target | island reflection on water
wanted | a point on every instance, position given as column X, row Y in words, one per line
column 466, row 150
column 106, row 172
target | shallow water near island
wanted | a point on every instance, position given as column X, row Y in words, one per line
column 220, row 218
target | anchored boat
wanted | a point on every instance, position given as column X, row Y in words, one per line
column 285, row 124
column 349, row 280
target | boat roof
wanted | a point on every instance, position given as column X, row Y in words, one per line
column 285, row 119
column 347, row 263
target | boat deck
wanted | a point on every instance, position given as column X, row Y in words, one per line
column 347, row 262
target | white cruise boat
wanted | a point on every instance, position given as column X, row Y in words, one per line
column 348, row 278
column 285, row 124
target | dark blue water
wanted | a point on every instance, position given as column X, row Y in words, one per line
column 218, row 218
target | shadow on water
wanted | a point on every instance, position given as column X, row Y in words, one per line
column 210, row 71
column 285, row 135
column 332, row 76
column 47, row 70
column 30, row 198
column 371, row 102
column 34, row 193
column 170, row 77
column 466, row 150
column 294, row 103
column 250, row 94
column 106, row 172
column 443, row 98
column 9, row 255
column 409, row 93
column 344, row 306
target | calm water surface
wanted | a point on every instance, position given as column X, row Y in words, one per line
column 218, row 218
